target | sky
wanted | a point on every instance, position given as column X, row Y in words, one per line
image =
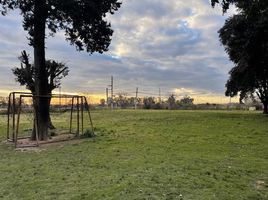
column 172, row 45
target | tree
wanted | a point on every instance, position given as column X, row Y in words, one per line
column 4, row 101
column 187, row 101
column 172, row 102
column 25, row 75
column 102, row 102
column 121, row 100
column 244, row 37
column 148, row 102
column 245, row 6
column 85, row 27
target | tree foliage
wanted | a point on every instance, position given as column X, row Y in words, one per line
column 245, row 38
column 149, row 102
column 172, row 102
column 25, row 74
column 245, row 6
column 186, row 101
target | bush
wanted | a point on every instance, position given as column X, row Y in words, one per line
column 89, row 134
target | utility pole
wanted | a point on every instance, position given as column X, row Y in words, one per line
column 136, row 100
column 107, row 98
column 112, row 92
column 160, row 95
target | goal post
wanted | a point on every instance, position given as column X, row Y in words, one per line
column 76, row 111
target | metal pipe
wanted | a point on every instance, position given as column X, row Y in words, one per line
column 91, row 123
column 36, row 126
column 13, row 115
column 71, row 118
column 77, row 107
column 18, row 122
column 82, row 115
column 8, row 114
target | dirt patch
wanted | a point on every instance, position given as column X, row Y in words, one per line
column 261, row 185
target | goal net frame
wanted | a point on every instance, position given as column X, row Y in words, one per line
column 13, row 115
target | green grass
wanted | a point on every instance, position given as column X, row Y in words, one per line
column 147, row 155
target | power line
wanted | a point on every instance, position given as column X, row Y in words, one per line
column 107, row 96
column 155, row 94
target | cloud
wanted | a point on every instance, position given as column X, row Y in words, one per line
column 168, row 44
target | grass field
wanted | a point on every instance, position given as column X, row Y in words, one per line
column 210, row 155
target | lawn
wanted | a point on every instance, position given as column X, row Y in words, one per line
column 147, row 155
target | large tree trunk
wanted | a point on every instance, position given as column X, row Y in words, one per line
column 50, row 124
column 41, row 85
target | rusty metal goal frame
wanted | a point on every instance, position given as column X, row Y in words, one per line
column 13, row 117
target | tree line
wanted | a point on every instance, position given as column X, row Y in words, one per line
column 122, row 101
